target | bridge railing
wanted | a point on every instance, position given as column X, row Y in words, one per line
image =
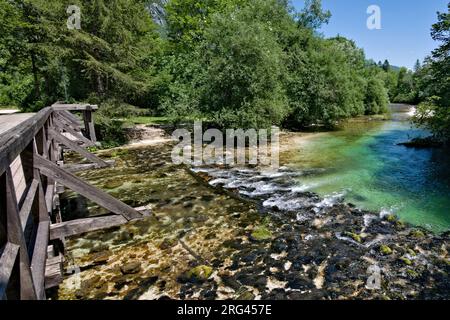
column 27, row 196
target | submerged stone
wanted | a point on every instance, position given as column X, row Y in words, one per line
column 113, row 184
column 131, row 268
column 385, row 250
column 356, row 237
column 230, row 282
column 198, row 274
column 406, row 261
column 417, row 234
column 261, row 233
column 247, row 295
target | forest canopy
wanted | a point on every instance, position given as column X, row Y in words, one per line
column 235, row 63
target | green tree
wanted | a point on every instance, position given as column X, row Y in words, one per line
column 244, row 66
column 434, row 82
column 114, row 53
column 386, row 66
column 417, row 66
column 312, row 16
column 187, row 20
column 376, row 99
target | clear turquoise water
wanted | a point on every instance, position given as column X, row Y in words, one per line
column 364, row 163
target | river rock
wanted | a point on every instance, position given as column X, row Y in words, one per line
column 131, row 268
column 199, row 273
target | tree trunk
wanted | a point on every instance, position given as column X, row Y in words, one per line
column 100, row 87
column 37, row 87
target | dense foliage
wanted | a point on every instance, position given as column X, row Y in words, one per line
column 236, row 63
column 434, row 82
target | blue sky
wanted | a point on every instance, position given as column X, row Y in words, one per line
column 405, row 34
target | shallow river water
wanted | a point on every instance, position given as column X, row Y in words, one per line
column 245, row 233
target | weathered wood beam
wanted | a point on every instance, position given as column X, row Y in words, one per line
column 16, row 236
column 89, row 125
column 48, row 195
column 74, row 183
column 65, row 127
column 13, row 142
column 7, row 261
column 74, row 107
column 76, row 227
column 27, row 205
column 75, row 147
column 53, row 271
column 39, row 258
column 70, row 118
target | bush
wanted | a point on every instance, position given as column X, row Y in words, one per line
column 434, row 117
column 110, row 119
column 377, row 98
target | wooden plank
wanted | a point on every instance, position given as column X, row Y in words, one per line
column 16, row 236
column 15, row 165
column 75, row 147
column 43, row 212
column 53, row 271
column 74, row 107
column 90, row 125
column 71, row 119
column 14, row 141
column 8, row 122
column 40, row 257
column 18, row 177
column 7, row 261
column 70, row 115
column 49, row 193
column 76, row 227
column 86, row 166
column 74, row 125
column 74, row 133
column 74, row 183
column 27, row 205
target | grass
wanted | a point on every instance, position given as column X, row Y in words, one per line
column 147, row 120
column 8, row 107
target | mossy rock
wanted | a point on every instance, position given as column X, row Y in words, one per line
column 406, row 261
column 261, row 233
column 412, row 274
column 391, row 218
column 400, row 225
column 167, row 243
column 246, row 296
column 131, row 268
column 385, row 250
column 99, row 248
column 417, row 234
column 120, row 153
column 199, row 273
column 113, row 184
column 356, row 237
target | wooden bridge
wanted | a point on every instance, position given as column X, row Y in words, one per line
column 32, row 175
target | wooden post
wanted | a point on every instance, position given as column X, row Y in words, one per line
column 89, row 124
column 16, row 237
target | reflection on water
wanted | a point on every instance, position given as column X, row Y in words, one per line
column 364, row 163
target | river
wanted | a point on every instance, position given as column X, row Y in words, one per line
column 204, row 243
column 364, row 164
column 360, row 163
